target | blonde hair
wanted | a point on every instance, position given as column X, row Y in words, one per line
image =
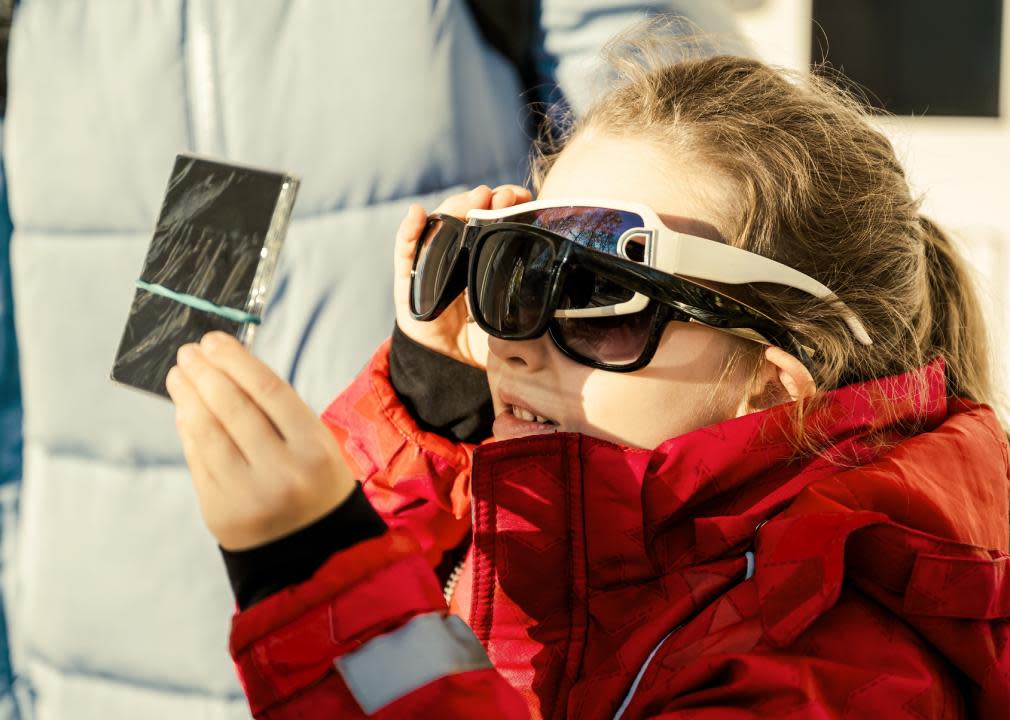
column 822, row 191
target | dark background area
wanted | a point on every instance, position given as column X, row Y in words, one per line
column 915, row 57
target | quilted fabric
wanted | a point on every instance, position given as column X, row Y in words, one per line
column 113, row 589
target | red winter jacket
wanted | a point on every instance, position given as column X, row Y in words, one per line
column 717, row 576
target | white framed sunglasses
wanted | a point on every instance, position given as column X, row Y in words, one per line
column 603, row 278
column 636, row 232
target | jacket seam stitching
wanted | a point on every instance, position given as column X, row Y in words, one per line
column 407, row 435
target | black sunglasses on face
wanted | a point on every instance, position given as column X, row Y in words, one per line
column 524, row 281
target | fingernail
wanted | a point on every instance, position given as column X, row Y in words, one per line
column 186, row 353
column 211, row 340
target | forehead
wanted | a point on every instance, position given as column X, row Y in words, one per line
column 683, row 191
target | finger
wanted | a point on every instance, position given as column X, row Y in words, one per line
column 211, row 454
column 208, row 490
column 220, row 474
column 508, row 195
column 407, row 236
column 243, row 420
column 410, row 230
column 199, row 473
column 523, row 194
column 460, row 205
column 503, row 197
column 278, row 401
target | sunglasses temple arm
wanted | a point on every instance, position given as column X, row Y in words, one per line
column 710, row 260
column 649, row 281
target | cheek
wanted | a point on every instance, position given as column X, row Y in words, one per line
column 493, row 377
column 681, row 390
column 643, row 412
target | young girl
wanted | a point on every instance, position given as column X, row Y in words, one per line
column 741, row 465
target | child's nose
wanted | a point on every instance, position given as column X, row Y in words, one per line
column 528, row 355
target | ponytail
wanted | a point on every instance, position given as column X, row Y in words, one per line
column 956, row 330
column 821, row 191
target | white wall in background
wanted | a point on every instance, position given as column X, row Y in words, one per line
column 780, row 30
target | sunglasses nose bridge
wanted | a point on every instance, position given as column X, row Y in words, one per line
column 465, row 254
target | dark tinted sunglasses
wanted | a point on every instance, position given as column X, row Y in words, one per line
column 602, row 307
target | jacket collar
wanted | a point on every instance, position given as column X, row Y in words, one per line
column 702, row 494
column 577, row 538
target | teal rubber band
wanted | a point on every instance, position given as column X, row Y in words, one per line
column 199, row 303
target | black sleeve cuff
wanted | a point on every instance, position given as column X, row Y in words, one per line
column 261, row 571
column 443, row 395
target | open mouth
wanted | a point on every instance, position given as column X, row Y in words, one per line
column 529, row 416
column 516, row 421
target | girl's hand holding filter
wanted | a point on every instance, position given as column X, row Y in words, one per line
column 449, row 334
column 263, row 464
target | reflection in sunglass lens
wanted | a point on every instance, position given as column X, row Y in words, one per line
column 611, row 339
column 586, row 289
column 437, row 251
column 513, row 281
column 592, row 227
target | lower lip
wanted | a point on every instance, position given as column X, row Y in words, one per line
column 507, row 426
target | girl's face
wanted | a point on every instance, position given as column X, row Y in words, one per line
column 685, row 386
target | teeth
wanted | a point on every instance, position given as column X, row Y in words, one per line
column 524, row 414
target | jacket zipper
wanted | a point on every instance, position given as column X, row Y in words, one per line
column 206, row 132
column 748, row 574
column 450, row 585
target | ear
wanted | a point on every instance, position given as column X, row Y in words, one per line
column 780, row 378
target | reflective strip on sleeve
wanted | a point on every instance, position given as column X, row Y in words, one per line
column 426, row 648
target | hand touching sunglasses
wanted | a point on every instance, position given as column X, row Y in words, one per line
column 602, row 278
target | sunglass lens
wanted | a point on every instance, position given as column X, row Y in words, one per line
column 513, row 274
column 437, row 251
column 612, row 339
column 596, row 228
